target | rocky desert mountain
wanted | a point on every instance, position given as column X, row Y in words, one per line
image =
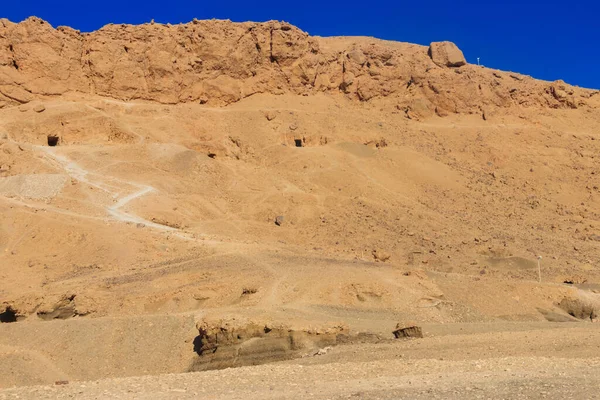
column 193, row 197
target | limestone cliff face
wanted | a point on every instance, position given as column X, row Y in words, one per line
column 220, row 62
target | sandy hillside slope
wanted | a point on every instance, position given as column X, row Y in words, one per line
column 158, row 182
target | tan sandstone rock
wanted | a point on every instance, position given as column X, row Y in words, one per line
column 446, row 54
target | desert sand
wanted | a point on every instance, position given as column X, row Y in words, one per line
column 242, row 210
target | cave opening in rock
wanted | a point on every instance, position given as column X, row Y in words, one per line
column 9, row 315
column 298, row 143
column 53, row 140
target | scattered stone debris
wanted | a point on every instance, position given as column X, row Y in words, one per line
column 61, row 383
column 170, row 224
column 270, row 115
column 293, row 127
column 279, row 220
column 412, row 331
column 440, row 112
column 320, row 352
column 377, row 143
column 248, row 291
column 408, row 113
column 323, row 351
column 417, row 273
column 39, row 108
column 380, row 255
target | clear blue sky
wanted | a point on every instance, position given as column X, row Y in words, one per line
column 552, row 39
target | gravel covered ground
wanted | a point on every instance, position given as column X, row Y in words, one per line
column 550, row 363
column 511, row 377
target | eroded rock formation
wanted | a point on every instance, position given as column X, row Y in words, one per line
column 220, row 62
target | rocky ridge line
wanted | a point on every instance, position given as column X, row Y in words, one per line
column 221, row 62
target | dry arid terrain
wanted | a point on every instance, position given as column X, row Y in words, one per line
column 177, row 200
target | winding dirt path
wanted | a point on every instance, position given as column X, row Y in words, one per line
column 99, row 181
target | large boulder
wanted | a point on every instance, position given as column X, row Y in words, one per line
column 446, row 54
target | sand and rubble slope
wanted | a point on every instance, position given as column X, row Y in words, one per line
column 155, row 175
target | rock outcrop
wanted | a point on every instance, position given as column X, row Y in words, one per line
column 220, row 62
column 404, row 332
column 446, row 54
column 233, row 342
column 582, row 305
